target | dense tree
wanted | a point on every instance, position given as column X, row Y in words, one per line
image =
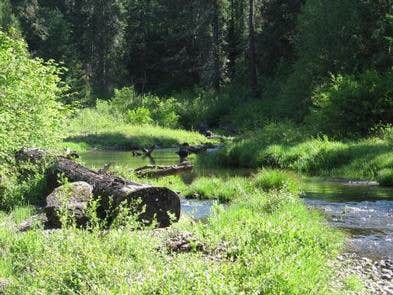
column 235, row 37
column 252, row 49
column 279, row 50
column 7, row 16
column 168, row 43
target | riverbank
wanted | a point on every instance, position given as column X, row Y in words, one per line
column 287, row 147
column 265, row 241
column 93, row 129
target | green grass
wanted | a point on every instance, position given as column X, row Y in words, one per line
column 271, row 244
column 354, row 283
column 93, row 129
column 224, row 189
column 284, row 146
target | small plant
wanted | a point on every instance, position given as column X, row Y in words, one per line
column 385, row 177
column 354, row 283
column 268, row 180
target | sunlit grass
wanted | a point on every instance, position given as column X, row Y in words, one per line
column 370, row 158
column 271, row 243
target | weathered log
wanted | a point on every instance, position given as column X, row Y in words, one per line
column 158, row 203
column 158, row 171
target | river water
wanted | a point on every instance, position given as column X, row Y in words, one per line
column 362, row 209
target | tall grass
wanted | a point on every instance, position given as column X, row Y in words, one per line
column 99, row 128
column 264, row 242
column 285, row 146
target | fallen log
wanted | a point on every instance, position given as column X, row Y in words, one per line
column 159, row 203
column 158, row 171
column 185, row 150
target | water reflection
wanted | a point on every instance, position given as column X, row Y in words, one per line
column 364, row 210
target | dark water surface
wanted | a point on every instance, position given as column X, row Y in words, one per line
column 363, row 209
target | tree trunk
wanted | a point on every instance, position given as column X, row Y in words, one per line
column 252, row 50
column 160, row 203
column 216, row 45
column 158, row 171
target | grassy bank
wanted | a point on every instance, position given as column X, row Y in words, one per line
column 286, row 147
column 266, row 242
column 94, row 128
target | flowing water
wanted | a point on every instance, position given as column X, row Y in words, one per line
column 363, row 209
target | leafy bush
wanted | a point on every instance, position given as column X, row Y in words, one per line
column 139, row 116
column 146, row 108
column 351, row 105
column 211, row 108
column 30, row 115
column 29, row 88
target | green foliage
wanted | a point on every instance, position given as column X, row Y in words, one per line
column 291, row 148
column 22, row 184
column 279, row 180
column 7, row 18
column 143, row 109
column 211, row 108
column 270, row 242
column 141, row 116
column 29, row 89
column 385, row 177
column 98, row 128
column 352, row 105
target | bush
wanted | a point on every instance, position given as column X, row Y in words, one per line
column 139, row 116
column 30, row 115
column 145, row 108
column 29, row 111
column 351, row 105
column 212, row 108
column 385, row 177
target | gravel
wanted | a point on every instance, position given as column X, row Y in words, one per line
column 376, row 275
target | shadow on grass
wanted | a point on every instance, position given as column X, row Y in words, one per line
column 119, row 141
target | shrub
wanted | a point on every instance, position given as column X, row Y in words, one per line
column 139, row 115
column 146, row 108
column 385, row 177
column 29, row 111
column 351, row 104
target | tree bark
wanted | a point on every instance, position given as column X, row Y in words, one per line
column 160, row 203
column 216, row 44
column 158, row 171
column 252, row 50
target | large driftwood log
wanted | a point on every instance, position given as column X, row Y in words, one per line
column 158, row 171
column 159, row 203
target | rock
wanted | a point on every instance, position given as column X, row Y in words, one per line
column 3, row 284
column 184, row 242
column 33, row 222
column 74, row 198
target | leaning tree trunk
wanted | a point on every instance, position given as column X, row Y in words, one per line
column 159, row 203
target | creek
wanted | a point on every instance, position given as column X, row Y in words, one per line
column 362, row 209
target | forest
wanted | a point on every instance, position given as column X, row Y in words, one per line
column 196, row 147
